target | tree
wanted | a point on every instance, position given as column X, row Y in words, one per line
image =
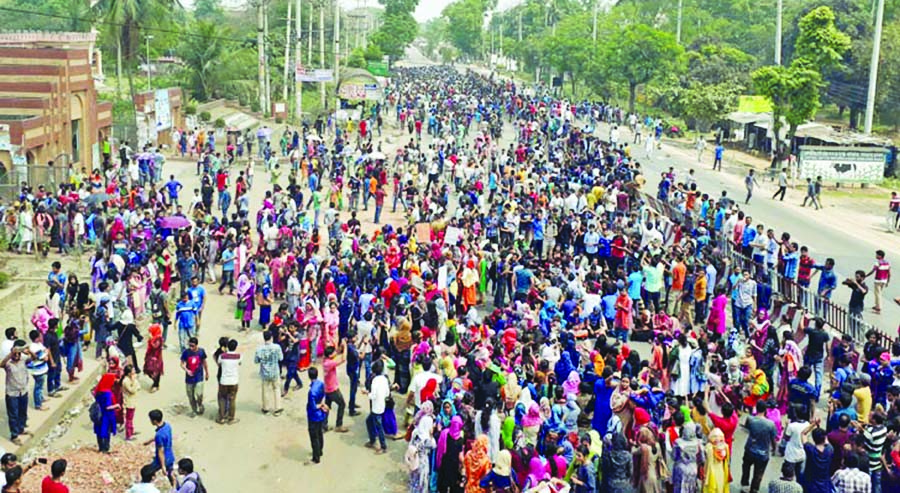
column 639, row 55
column 399, row 28
column 466, row 20
column 357, row 58
column 373, row 53
column 567, row 50
column 216, row 67
column 820, row 45
column 209, row 10
column 706, row 104
column 794, row 92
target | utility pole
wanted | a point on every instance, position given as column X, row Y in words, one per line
column 873, row 67
column 148, row 37
column 287, row 54
column 594, row 23
column 779, row 7
column 268, row 108
column 309, row 40
column 261, row 55
column 678, row 26
column 322, row 48
column 337, row 52
column 298, row 56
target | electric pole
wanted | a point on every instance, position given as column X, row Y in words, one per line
column 261, row 55
column 322, row 48
column 287, row 54
column 148, row 37
column 337, row 52
column 779, row 6
column 594, row 23
column 298, row 57
column 268, row 108
column 309, row 40
column 873, row 67
column 678, row 26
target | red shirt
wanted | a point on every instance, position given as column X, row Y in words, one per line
column 727, row 425
column 48, row 485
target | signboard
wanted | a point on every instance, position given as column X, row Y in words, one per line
column 163, row 110
column 317, row 75
column 754, row 104
column 352, row 91
column 843, row 164
column 378, row 68
column 5, row 144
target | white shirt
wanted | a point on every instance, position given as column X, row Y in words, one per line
column 231, row 367
column 6, row 348
column 143, row 488
column 381, row 389
column 419, row 382
column 794, row 452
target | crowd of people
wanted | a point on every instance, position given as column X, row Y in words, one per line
column 497, row 329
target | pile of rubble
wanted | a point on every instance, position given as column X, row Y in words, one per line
column 90, row 471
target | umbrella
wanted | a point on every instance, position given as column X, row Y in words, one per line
column 97, row 197
column 174, row 222
column 377, row 155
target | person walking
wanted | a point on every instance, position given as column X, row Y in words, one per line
column 378, row 396
column 882, row 275
column 782, row 185
column 761, row 439
column 130, row 388
column 750, row 182
column 105, row 417
column 812, row 193
column 316, row 415
column 196, row 371
column 269, row 357
column 164, row 453
column 334, row 357
column 229, row 366
column 719, row 153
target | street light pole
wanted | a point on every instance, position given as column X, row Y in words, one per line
column 594, row 23
column 873, row 67
column 678, row 25
column 779, row 7
column 148, row 37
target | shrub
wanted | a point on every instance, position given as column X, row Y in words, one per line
column 220, row 123
column 4, row 279
column 205, row 116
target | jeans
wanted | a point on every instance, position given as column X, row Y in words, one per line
column 195, row 396
column 227, row 280
column 759, row 468
column 876, row 481
column 354, row 386
column 377, row 214
column 742, row 318
column 17, row 414
column 317, row 439
column 184, row 333
column 227, row 396
column 653, row 298
column 39, row 390
column 818, row 368
column 53, row 379
column 336, row 398
column 375, row 427
column 292, row 376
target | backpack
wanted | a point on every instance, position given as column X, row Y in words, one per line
column 95, row 413
column 198, row 484
column 156, row 305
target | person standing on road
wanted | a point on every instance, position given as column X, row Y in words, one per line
column 719, row 153
column 856, row 305
column 812, row 193
column 334, row 357
column 750, row 182
column 193, row 362
column 700, row 146
column 229, row 367
column 316, row 415
column 378, row 396
column 269, row 357
column 782, row 184
column 761, row 439
column 882, row 272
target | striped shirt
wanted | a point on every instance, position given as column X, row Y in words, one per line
column 875, row 436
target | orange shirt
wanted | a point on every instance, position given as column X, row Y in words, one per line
column 700, row 287
column 679, row 272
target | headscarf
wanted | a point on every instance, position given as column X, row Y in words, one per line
column 506, row 431
column 641, row 416
column 536, row 472
column 572, row 411
column 503, row 463
column 106, row 383
column 403, row 338
column 564, row 366
column 532, row 416
column 426, row 409
column 477, row 461
column 454, row 431
column 688, row 442
column 446, row 418
column 155, row 331
column 717, row 442
column 599, row 364
column 570, row 386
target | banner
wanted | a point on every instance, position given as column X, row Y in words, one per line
column 378, row 68
column 162, row 110
column 5, row 143
column 843, row 164
column 317, row 75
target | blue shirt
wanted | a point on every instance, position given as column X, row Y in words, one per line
column 791, row 262
column 173, row 187
column 827, row 281
column 719, row 151
column 634, row 285
column 748, row 236
column 163, row 440
column 228, row 260
column 197, row 294
column 315, row 398
column 186, row 314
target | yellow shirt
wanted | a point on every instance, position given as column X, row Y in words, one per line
column 863, row 403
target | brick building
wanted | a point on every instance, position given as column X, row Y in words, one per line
column 48, row 105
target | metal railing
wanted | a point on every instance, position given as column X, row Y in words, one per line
column 800, row 302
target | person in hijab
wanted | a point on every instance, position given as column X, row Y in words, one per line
column 687, row 458
column 716, row 472
column 105, row 427
column 418, row 453
column 477, row 465
column 500, row 478
column 449, row 457
column 603, row 390
column 648, row 462
column 153, row 358
column 401, row 353
column 537, row 472
column 570, row 386
column 470, row 281
column 448, row 411
column 617, row 465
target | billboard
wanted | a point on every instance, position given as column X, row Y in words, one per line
column 317, row 75
column 162, row 110
column 843, row 164
column 378, row 68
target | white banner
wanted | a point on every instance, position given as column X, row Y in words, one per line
column 5, row 144
column 843, row 164
column 162, row 110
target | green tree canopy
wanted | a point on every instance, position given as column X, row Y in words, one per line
column 638, row 55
